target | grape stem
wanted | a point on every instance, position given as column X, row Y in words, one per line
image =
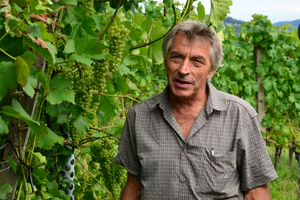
column 146, row 44
column 101, row 34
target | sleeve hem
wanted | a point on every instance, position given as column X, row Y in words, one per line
column 260, row 181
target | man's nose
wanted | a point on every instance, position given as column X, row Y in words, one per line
column 185, row 67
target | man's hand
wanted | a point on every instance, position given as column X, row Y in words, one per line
column 132, row 190
column 259, row 193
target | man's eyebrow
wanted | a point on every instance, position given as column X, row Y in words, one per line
column 175, row 53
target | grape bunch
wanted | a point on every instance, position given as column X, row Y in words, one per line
column 113, row 174
column 88, row 6
column 100, row 69
column 117, row 37
column 84, row 90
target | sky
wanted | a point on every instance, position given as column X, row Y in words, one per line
column 276, row 10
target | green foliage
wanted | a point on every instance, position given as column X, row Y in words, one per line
column 99, row 59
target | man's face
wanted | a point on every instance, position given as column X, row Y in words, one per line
column 188, row 67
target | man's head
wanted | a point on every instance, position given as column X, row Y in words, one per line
column 193, row 30
column 192, row 53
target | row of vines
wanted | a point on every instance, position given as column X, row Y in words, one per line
column 69, row 71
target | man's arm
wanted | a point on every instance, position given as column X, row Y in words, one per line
column 259, row 193
column 132, row 190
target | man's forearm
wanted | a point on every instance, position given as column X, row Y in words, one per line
column 259, row 193
column 132, row 190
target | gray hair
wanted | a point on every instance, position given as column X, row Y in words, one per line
column 194, row 29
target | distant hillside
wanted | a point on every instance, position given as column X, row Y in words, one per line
column 294, row 23
column 235, row 23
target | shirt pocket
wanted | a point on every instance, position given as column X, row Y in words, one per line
column 218, row 172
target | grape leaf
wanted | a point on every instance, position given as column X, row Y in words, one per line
column 69, row 47
column 81, row 59
column 81, row 25
column 8, row 80
column 58, row 82
column 44, row 34
column 5, row 188
column 106, row 109
column 200, row 11
column 121, row 85
column 120, row 125
column 59, row 95
column 47, row 140
column 82, row 123
column 34, row 31
column 89, row 48
column 22, row 71
column 218, row 11
column 3, row 126
column 46, row 49
column 28, row 57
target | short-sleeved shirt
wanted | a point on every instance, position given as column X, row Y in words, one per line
column 223, row 156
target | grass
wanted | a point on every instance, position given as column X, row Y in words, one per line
column 285, row 186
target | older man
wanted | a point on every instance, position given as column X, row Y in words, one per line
column 193, row 141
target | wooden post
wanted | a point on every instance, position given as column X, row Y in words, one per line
column 261, row 91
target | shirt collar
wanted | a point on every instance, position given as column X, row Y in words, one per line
column 214, row 100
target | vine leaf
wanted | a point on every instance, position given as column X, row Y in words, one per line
column 47, row 140
column 59, row 95
column 46, row 49
column 168, row 3
column 82, row 26
column 218, row 12
column 32, row 82
column 201, row 11
column 3, row 126
column 17, row 26
column 120, row 125
column 85, row 49
column 82, row 123
column 8, row 80
column 12, row 164
column 17, row 111
column 22, row 71
column 5, row 188
column 121, row 85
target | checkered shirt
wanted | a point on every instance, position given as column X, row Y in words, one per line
column 223, row 155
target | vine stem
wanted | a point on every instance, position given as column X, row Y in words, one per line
column 7, row 54
column 146, row 44
column 92, row 176
column 101, row 34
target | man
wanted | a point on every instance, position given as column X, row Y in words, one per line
column 193, row 141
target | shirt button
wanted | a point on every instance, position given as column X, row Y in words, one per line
column 185, row 151
column 183, row 180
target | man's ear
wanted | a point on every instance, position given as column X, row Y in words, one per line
column 211, row 73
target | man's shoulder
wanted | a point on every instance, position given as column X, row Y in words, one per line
column 237, row 101
column 147, row 104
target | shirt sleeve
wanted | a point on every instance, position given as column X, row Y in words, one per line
column 127, row 155
column 254, row 163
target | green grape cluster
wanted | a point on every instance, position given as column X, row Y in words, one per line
column 75, row 136
column 84, row 89
column 117, row 37
column 113, row 175
column 94, row 121
column 100, row 69
column 88, row 6
column 70, row 73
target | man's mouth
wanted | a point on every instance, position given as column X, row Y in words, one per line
column 182, row 83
